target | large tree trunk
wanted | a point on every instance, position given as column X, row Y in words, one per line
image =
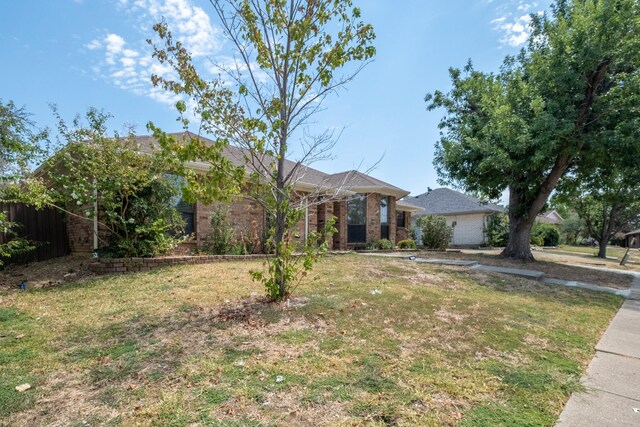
column 523, row 211
column 610, row 225
column 519, row 244
column 602, row 250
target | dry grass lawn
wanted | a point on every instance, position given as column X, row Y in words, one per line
column 555, row 265
column 197, row 345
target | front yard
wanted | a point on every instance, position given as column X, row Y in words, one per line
column 196, row 345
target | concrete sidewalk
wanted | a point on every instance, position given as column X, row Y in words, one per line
column 612, row 380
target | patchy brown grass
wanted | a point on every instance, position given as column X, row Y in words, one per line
column 45, row 274
column 553, row 265
column 199, row 345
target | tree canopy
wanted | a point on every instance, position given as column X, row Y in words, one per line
column 537, row 119
column 605, row 190
column 20, row 146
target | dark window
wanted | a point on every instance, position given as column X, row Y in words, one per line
column 187, row 211
column 357, row 219
column 384, row 217
column 400, row 219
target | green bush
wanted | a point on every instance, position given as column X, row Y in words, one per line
column 220, row 240
column 497, row 230
column 144, row 223
column 385, row 244
column 382, row 244
column 543, row 234
column 12, row 243
column 436, row 234
column 407, row 244
column 537, row 240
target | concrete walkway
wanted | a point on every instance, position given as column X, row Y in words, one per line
column 612, row 380
column 529, row 274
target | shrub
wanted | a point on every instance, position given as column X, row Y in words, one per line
column 220, row 240
column 436, row 234
column 497, row 230
column 385, row 244
column 545, row 234
column 407, row 244
column 537, row 240
column 382, row 244
column 12, row 243
column 144, row 223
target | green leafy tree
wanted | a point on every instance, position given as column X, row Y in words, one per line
column 436, row 234
column 134, row 194
column 21, row 142
column 571, row 228
column 525, row 127
column 20, row 145
column 289, row 55
column 605, row 190
column 606, row 210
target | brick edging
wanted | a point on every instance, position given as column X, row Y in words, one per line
column 102, row 266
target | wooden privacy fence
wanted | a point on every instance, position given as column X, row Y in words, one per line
column 46, row 227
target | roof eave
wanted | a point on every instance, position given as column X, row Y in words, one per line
column 487, row 211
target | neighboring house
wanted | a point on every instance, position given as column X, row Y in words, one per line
column 465, row 214
column 365, row 208
column 632, row 239
column 550, row 217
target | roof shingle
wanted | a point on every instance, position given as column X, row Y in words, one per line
column 444, row 201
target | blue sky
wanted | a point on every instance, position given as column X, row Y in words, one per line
column 82, row 53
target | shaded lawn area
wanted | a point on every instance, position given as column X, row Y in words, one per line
column 553, row 265
column 192, row 345
column 589, row 254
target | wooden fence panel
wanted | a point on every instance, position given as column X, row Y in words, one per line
column 47, row 227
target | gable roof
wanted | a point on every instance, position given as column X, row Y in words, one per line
column 305, row 177
column 359, row 182
column 444, row 201
column 551, row 217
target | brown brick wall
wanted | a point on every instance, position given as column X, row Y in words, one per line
column 392, row 219
column 325, row 213
column 404, row 233
column 313, row 223
column 80, row 230
column 340, row 238
column 246, row 216
column 373, row 217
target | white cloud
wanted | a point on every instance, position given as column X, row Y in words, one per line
column 93, row 44
column 113, row 45
column 190, row 24
column 128, row 64
column 515, row 21
column 516, row 31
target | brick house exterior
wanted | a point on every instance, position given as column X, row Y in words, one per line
column 248, row 217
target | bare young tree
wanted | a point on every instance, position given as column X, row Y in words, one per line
column 289, row 55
